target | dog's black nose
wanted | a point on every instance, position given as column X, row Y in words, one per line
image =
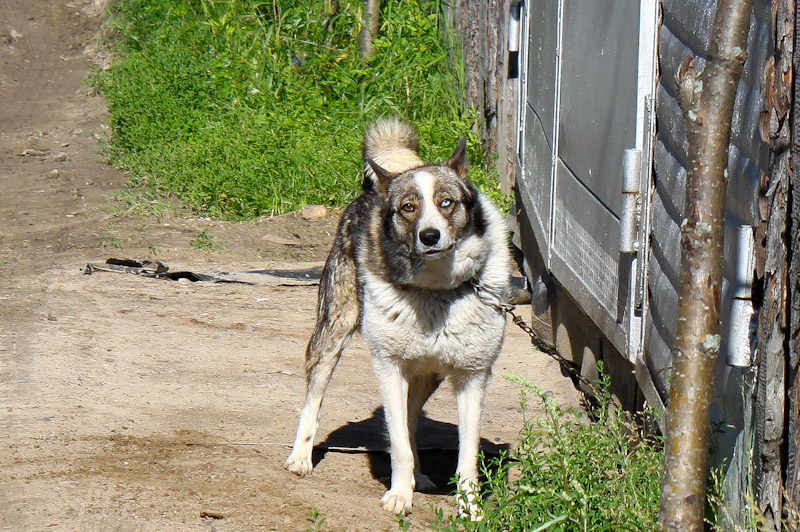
column 429, row 237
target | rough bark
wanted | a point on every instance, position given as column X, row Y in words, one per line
column 793, row 469
column 707, row 101
column 369, row 28
column 771, row 379
column 771, row 400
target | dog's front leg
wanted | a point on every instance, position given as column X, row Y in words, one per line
column 420, row 388
column 470, row 391
column 394, row 386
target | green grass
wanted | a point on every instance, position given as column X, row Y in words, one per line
column 570, row 473
column 316, row 520
column 242, row 108
column 205, row 241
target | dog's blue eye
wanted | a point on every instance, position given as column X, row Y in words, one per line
column 445, row 203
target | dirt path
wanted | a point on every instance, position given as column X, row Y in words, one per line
column 137, row 404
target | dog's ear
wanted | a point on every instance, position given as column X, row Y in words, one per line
column 382, row 176
column 458, row 161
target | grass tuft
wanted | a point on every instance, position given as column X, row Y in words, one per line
column 205, row 241
column 570, row 473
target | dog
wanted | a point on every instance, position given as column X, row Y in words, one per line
column 421, row 265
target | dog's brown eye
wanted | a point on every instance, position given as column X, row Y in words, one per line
column 408, row 207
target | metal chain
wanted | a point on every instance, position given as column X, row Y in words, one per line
column 545, row 347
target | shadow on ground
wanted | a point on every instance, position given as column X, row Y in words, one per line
column 437, row 446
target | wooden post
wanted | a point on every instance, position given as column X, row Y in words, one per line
column 793, row 471
column 370, row 27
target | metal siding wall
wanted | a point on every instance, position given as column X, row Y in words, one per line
column 596, row 123
column 685, row 32
column 539, row 109
column 586, row 240
column 598, row 95
column 542, row 55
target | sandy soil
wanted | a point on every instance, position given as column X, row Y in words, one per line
column 131, row 403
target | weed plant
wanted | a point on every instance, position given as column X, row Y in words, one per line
column 205, row 241
column 248, row 107
column 570, row 473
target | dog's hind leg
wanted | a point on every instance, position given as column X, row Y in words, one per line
column 420, row 389
column 337, row 320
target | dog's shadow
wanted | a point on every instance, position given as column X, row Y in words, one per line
column 437, row 447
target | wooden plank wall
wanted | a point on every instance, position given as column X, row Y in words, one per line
column 491, row 77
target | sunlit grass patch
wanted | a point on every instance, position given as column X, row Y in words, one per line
column 242, row 108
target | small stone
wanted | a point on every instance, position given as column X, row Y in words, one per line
column 53, row 174
column 61, row 157
column 30, row 152
column 13, row 36
column 314, row 212
column 211, row 514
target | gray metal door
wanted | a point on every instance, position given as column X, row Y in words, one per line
column 588, row 79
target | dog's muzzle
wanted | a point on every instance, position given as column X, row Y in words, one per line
column 430, row 243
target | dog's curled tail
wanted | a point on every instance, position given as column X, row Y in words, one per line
column 391, row 144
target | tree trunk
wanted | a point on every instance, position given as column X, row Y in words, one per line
column 707, row 101
column 370, row 27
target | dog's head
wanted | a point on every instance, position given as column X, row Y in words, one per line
column 428, row 212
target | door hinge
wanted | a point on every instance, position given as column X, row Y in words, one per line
column 628, row 222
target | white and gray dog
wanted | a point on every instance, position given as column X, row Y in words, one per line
column 420, row 265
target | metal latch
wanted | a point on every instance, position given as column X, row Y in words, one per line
column 740, row 333
column 513, row 26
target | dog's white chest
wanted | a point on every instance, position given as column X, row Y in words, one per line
column 441, row 331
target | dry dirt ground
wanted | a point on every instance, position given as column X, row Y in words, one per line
column 129, row 403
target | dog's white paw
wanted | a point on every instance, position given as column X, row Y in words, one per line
column 397, row 502
column 467, row 505
column 299, row 465
column 423, row 482
column 469, row 510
